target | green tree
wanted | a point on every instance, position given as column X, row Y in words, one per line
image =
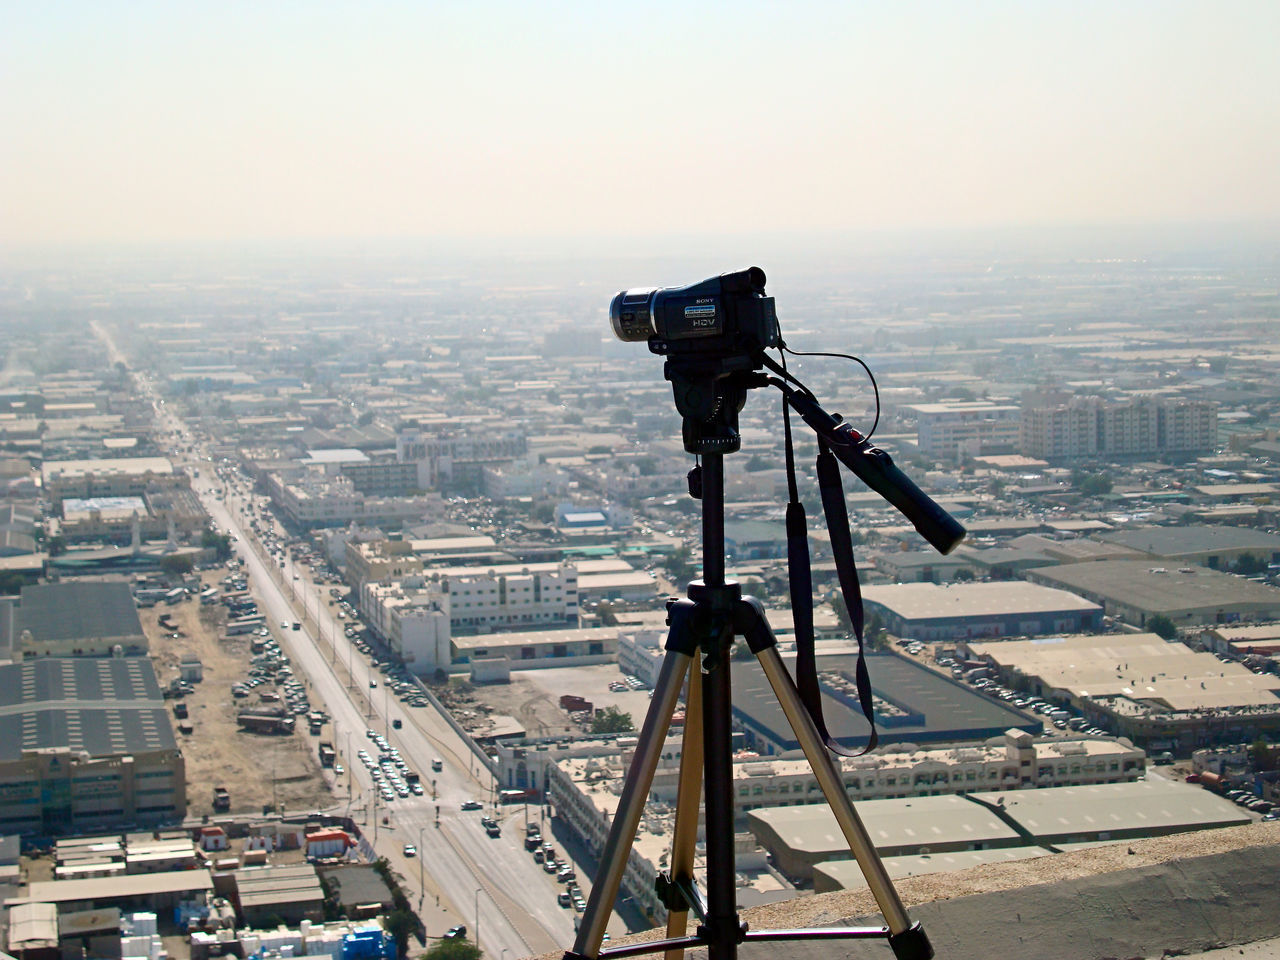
column 755, row 463
column 453, row 949
column 176, row 564
column 876, row 635
column 1249, row 564
column 1162, row 626
column 681, row 567
column 647, row 465
column 364, row 419
column 607, row 617
column 1264, row 756
column 402, row 925
column 11, row 583
column 622, row 415
column 1091, row 484
column 56, row 545
column 573, row 417
column 219, row 543
column 963, row 575
column 611, row 720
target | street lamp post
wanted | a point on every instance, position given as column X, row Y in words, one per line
column 422, row 880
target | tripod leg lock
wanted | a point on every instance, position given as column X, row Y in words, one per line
column 750, row 622
column 739, row 933
column 669, row 894
column 911, row 944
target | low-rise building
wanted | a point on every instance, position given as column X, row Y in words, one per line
column 73, row 619
column 1137, row 590
column 1154, row 692
column 116, row 477
column 86, row 744
column 928, row 611
column 800, row 838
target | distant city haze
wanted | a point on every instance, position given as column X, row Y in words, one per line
column 144, row 122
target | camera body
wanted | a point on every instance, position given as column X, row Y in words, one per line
column 720, row 317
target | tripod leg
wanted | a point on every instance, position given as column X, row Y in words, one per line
column 824, row 768
column 635, row 791
column 684, row 841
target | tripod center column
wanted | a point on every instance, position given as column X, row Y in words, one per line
column 713, row 519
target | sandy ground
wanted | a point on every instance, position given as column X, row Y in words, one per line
column 256, row 769
column 835, row 908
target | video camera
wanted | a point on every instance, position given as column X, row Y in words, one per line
column 720, row 317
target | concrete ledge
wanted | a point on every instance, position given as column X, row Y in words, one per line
column 1168, row 895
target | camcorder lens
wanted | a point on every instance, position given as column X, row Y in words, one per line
column 631, row 314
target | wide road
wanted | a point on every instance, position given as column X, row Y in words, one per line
column 492, row 884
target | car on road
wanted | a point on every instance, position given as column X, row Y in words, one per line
column 563, row 898
column 372, row 684
column 410, row 850
column 456, row 933
column 472, row 805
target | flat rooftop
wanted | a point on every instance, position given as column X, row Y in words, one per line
column 891, row 824
column 941, row 710
column 1187, row 541
column 1171, row 590
column 129, row 466
column 932, row 601
column 129, row 885
column 1152, row 806
column 1138, row 666
column 105, row 706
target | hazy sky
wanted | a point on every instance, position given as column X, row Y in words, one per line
column 127, row 121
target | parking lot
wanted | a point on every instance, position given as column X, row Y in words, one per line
column 256, row 768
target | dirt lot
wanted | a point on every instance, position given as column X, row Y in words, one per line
column 257, row 769
column 533, row 698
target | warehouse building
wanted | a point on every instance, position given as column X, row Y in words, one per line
column 1215, row 547
column 73, row 619
column 86, row 744
column 117, row 477
column 1136, row 590
column 290, row 892
column 799, row 838
column 1154, row 692
column 143, row 891
column 1021, row 822
column 1016, row 760
column 913, row 704
column 928, row 611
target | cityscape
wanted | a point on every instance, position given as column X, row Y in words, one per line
column 581, row 481
column 342, row 594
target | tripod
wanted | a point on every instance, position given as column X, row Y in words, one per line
column 703, row 625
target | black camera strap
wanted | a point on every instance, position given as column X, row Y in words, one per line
column 800, row 576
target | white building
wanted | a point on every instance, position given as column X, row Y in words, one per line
column 522, row 598
column 442, row 457
column 317, row 501
column 640, row 654
column 524, row 478
column 413, row 617
column 966, row 428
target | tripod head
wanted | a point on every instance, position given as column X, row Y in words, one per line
column 709, row 393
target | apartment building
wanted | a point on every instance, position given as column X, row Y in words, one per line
column 446, row 457
column 966, row 428
column 1061, row 426
column 412, row 616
